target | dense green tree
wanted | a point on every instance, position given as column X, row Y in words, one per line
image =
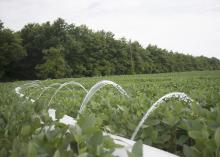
column 11, row 50
column 36, row 38
column 214, row 63
column 85, row 52
column 54, row 65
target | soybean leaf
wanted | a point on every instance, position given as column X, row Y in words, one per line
column 137, row 150
column 217, row 137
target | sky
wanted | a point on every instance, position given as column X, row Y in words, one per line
column 187, row 26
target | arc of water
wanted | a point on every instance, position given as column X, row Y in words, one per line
column 26, row 86
column 95, row 88
column 28, row 97
column 65, row 84
column 181, row 96
column 29, row 85
column 46, row 88
column 34, row 85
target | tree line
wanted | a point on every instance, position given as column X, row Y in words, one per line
column 59, row 49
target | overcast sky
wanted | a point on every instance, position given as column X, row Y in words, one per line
column 187, row 26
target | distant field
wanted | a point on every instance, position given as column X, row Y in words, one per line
column 174, row 126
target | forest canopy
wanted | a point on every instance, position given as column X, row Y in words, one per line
column 59, row 49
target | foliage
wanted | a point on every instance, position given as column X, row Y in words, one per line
column 54, row 65
column 26, row 131
column 137, row 150
column 64, row 141
column 11, row 50
column 174, row 127
column 88, row 53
